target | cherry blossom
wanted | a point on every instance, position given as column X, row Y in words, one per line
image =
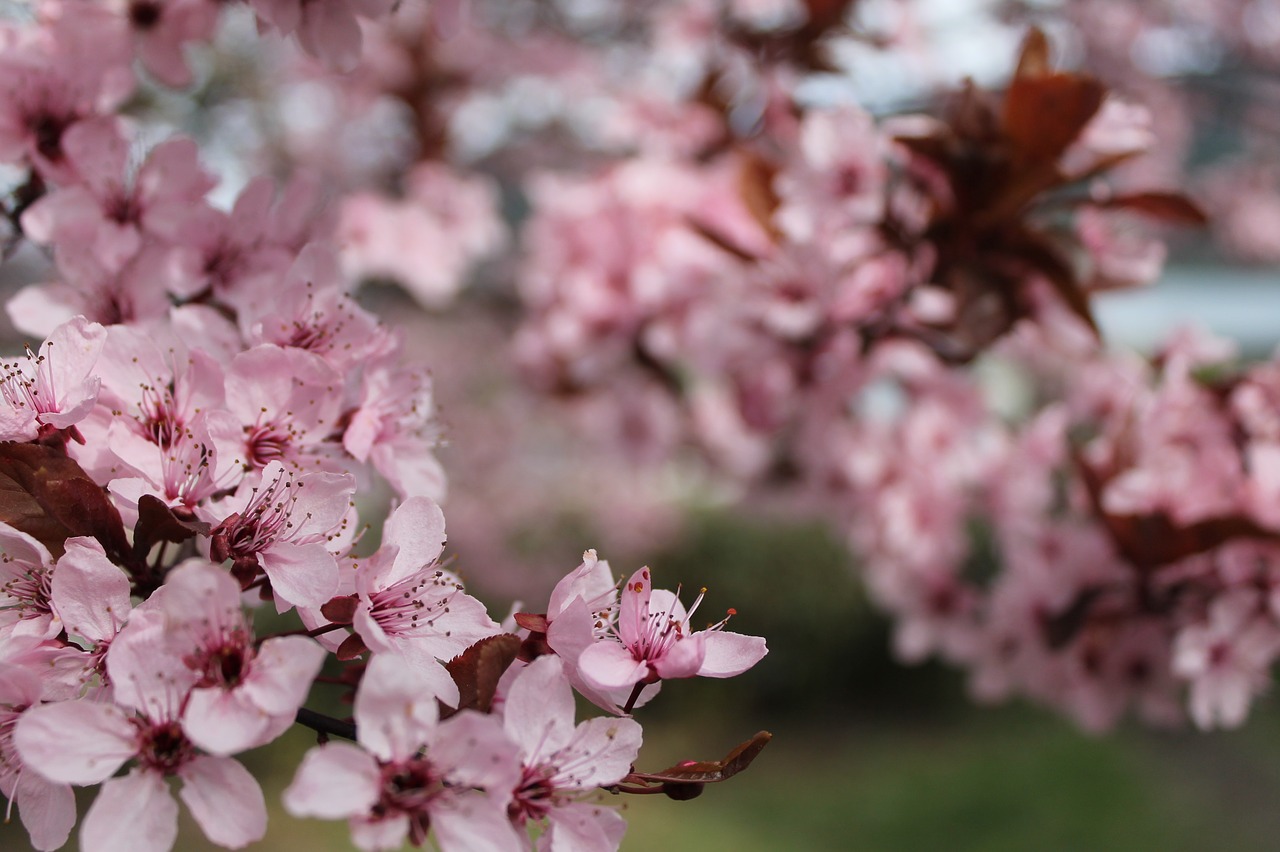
column 411, row 772
column 561, row 762
column 53, row 388
column 654, row 642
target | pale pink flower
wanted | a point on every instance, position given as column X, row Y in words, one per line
column 428, row 241
column 394, row 428
column 1227, row 658
column 309, row 310
column 52, row 389
column 654, row 641
column 90, row 595
column 286, row 525
column 26, row 572
column 160, row 30
column 75, row 66
column 108, row 211
column 326, row 29
column 409, row 605
column 583, row 610
column 288, row 402
column 246, row 694
column 836, row 183
column 562, row 763
column 84, row 742
column 412, row 773
column 47, row 809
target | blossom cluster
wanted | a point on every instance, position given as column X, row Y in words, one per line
column 808, row 293
column 190, row 444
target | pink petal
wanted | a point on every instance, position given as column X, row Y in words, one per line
column 282, row 673
column 539, row 711
column 608, row 665
column 225, row 800
column 335, row 780
column 682, row 659
column 378, row 834
column 90, row 593
column 48, row 810
column 301, row 574
column 98, row 149
column 633, row 610
column 473, row 822
column 416, row 527
column 730, row 654
column 131, row 814
column 75, row 742
column 590, row 580
column 474, row 751
column 583, row 827
column 331, row 33
column 395, row 708
column 607, row 747
column 222, row 722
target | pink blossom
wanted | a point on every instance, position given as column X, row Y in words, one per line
column 47, row 808
column 74, row 67
column 287, row 400
column 654, row 642
column 326, row 29
column 52, row 389
column 160, row 30
column 84, row 742
column 429, row 240
column 246, row 693
column 562, row 763
column 408, row 604
column 394, row 428
column 26, row 571
column 108, row 211
column 412, row 773
column 285, row 525
column 1227, row 658
column 90, row 594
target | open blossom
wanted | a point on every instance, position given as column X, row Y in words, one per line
column 54, row 388
column 90, row 595
column 411, row 772
column 406, row 603
column 655, row 642
column 246, row 693
column 1228, row 658
column 47, row 808
column 561, row 763
column 285, row 526
column 84, row 742
column 326, row 29
column 26, row 571
column 110, row 209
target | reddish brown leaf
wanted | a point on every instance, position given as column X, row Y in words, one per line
column 755, row 184
column 351, row 647
column 1166, row 206
column 1033, row 61
column 157, row 522
column 50, row 497
column 711, row 771
column 477, row 670
column 340, row 610
column 1043, row 115
column 535, row 623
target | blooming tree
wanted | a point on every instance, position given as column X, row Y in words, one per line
column 719, row 257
